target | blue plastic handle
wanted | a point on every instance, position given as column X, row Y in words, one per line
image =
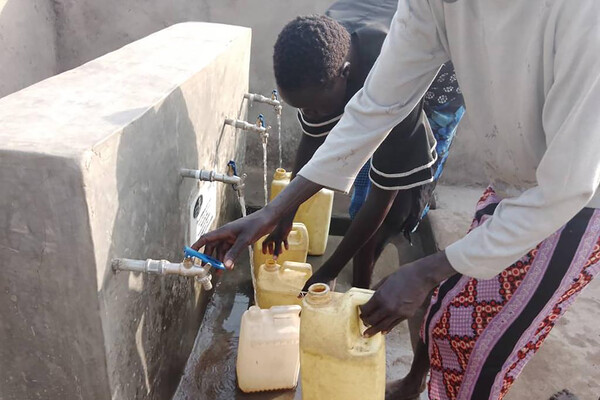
column 231, row 164
column 189, row 252
column 260, row 121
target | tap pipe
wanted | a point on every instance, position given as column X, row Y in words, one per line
column 163, row 267
column 259, row 127
column 259, row 98
column 211, row 176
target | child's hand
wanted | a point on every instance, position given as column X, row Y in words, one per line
column 279, row 236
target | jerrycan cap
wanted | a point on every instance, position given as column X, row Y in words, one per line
column 318, row 294
column 280, row 173
column 271, row 265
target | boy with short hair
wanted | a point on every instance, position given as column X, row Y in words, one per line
column 319, row 65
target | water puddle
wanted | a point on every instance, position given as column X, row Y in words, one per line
column 210, row 371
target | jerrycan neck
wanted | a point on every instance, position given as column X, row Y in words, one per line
column 271, row 265
column 319, row 294
column 280, row 174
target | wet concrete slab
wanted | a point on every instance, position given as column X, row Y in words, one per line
column 210, row 372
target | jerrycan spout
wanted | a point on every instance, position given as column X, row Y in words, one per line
column 319, row 294
column 271, row 265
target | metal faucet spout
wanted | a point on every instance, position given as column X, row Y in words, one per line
column 259, row 98
column 163, row 267
column 211, row 176
column 259, row 127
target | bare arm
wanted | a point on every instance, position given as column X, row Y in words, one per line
column 363, row 227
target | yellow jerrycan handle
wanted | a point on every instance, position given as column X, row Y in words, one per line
column 294, row 236
column 297, row 266
column 298, row 233
column 359, row 297
column 285, row 312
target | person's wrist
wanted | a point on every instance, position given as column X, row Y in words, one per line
column 435, row 268
column 271, row 214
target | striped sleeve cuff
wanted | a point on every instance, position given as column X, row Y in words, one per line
column 327, row 178
column 404, row 161
column 319, row 129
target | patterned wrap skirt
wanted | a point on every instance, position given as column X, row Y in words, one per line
column 481, row 333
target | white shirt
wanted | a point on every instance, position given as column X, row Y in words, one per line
column 530, row 74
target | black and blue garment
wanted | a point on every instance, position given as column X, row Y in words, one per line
column 412, row 156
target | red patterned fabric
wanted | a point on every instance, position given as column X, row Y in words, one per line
column 481, row 333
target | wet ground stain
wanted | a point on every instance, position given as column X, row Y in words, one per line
column 210, row 371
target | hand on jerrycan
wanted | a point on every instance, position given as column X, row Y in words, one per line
column 398, row 296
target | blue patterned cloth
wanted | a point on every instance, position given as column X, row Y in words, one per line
column 362, row 185
column 444, row 127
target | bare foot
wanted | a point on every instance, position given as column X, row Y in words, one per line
column 564, row 395
column 404, row 389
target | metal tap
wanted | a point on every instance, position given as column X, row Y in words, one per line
column 211, row 176
column 259, row 98
column 190, row 266
column 233, row 173
column 259, row 127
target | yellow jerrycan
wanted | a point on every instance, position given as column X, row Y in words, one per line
column 314, row 213
column 298, row 247
column 279, row 285
column 281, row 178
column 268, row 352
column 337, row 362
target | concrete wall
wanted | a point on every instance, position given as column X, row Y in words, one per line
column 465, row 164
column 89, row 165
column 86, row 29
column 27, row 43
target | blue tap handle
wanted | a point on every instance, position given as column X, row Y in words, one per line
column 191, row 253
column 232, row 170
column 275, row 95
column 233, row 167
column 260, row 121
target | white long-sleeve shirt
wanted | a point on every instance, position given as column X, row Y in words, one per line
column 530, row 75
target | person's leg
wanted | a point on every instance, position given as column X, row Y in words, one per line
column 413, row 384
column 481, row 333
column 364, row 261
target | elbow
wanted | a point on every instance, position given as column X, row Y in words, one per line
column 571, row 197
column 573, row 200
column 583, row 195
